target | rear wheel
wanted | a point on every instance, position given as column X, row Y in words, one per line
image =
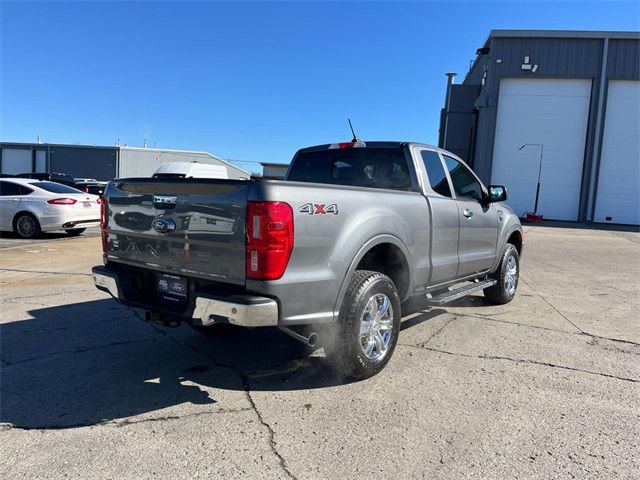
column 368, row 328
column 26, row 225
column 507, row 275
column 74, row 232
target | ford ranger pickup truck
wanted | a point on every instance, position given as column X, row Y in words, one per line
column 328, row 254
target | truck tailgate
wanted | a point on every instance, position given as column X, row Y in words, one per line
column 192, row 227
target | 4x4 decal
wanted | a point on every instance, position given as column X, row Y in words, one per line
column 319, row 209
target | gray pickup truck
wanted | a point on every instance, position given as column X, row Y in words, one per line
column 328, row 254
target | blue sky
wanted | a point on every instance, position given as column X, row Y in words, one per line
column 250, row 81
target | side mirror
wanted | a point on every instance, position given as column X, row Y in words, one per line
column 497, row 193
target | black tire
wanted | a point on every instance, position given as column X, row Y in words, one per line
column 74, row 232
column 20, row 222
column 501, row 292
column 344, row 349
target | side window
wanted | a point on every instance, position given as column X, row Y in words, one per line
column 8, row 189
column 435, row 172
column 464, row 182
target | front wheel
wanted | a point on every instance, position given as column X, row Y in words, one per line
column 507, row 275
column 368, row 328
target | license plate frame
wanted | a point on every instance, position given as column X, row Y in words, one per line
column 172, row 287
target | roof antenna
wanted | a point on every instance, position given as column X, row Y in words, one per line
column 355, row 137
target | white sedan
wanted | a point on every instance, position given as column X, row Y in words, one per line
column 29, row 207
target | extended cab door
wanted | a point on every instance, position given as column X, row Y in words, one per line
column 445, row 222
column 479, row 221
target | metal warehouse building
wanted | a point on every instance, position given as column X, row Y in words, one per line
column 567, row 100
column 102, row 163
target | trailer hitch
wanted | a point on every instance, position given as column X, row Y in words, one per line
column 162, row 318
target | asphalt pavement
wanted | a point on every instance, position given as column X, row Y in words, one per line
column 547, row 386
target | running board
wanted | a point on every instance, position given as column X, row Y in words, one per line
column 457, row 293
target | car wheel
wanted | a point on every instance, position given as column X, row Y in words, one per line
column 26, row 225
column 366, row 334
column 74, row 232
column 507, row 275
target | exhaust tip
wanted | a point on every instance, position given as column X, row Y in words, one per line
column 313, row 339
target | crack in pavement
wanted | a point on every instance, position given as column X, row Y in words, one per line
column 43, row 272
column 121, row 423
column 75, row 291
column 244, row 377
column 552, row 306
column 581, row 333
column 78, row 350
column 27, row 331
column 519, row 360
column 439, row 330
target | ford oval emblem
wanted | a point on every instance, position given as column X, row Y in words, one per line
column 163, row 225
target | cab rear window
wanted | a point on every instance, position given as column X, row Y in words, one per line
column 358, row 167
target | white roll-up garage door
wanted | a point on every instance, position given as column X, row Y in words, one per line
column 618, row 195
column 16, row 160
column 551, row 112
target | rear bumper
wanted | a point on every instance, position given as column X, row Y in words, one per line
column 81, row 223
column 203, row 308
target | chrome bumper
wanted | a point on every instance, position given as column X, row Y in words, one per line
column 106, row 283
column 242, row 310
column 263, row 313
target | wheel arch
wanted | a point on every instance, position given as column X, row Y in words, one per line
column 510, row 233
column 515, row 239
column 386, row 254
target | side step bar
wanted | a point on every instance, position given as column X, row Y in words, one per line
column 457, row 293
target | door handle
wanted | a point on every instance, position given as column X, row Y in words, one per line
column 467, row 213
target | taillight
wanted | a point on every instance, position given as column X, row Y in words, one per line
column 62, row 201
column 269, row 239
column 344, row 145
column 104, row 218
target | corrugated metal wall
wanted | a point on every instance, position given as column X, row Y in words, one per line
column 459, row 121
column 556, row 58
column 83, row 162
column 559, row 58
column 623, row 62
column 77, row 160
column 142, row 162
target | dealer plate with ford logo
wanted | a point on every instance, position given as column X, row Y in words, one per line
column 172, row 287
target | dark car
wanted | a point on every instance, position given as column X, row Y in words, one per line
column 57, row 177
column 95, row 188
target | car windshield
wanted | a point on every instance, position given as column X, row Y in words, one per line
column 55, row 187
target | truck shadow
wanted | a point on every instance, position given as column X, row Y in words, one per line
column 92, row 362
